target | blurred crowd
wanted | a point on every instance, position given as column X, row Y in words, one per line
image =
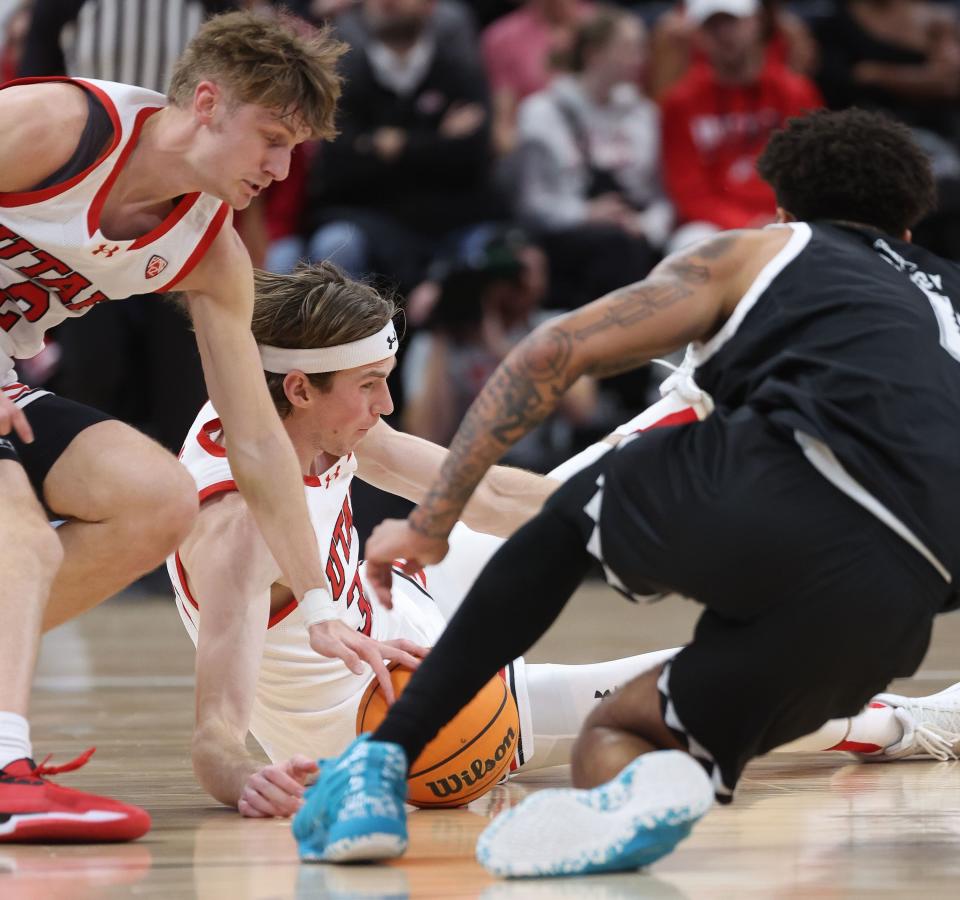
column 500, row 162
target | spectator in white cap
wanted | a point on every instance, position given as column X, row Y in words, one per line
column 674, row 44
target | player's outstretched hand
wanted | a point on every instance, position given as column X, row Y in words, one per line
column 12, row 418
column 394, row 543
column 276, row 790
column 339, row 640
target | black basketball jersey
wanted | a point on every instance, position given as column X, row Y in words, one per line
column 853, row 338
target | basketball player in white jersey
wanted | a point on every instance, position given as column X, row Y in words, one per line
column 255, row 669
column 108, row 190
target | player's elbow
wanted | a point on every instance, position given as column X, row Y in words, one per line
column 550, row 354
column 207, row 753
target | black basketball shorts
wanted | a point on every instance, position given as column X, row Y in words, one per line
column 812, row 605
column 55, row 421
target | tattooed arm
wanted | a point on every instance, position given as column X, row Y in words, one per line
column 687, row 297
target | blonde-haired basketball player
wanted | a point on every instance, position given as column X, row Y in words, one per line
column 328, row 346
column 106, row 191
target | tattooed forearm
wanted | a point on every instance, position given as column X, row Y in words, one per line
column 527, row 386
column 523, row 391
column 611, row 367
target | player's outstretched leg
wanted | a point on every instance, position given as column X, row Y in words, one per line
column 354, row 810
column 629, row 822
column 639, row 795
column 931, row 726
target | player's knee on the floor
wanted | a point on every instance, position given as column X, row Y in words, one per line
column 604, row 746
column 634, row 708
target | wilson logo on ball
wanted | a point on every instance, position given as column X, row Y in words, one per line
column 449, row 785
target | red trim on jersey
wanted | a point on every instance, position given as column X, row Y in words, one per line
column 179, row 211
column 226, row 487
column 220, row 487
column 182, row 575
column 202, row 246
column 281, row 614
column 186, row 611
column 683, row 417
column 15, row 390
column 24, row 198
column 274, row 619
column 205, row 439
column 100, row 198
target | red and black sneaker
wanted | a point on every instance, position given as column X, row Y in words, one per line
column 33, row 809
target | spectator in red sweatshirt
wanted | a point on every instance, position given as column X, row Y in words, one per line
column 718, row 117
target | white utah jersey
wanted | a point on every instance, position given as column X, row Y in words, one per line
column 55, row 262
column 306, row 703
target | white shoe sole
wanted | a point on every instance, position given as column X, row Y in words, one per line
column 626, row 824
column 367, row 848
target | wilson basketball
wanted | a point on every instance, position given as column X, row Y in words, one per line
column 469, row 755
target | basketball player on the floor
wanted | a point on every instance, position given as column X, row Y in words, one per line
column 108, row 190
column 328, row 346
column 255, row 669
column 813, row 513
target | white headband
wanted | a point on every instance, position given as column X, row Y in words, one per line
column 332, row 359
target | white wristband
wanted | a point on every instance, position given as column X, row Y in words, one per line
column 317, row 606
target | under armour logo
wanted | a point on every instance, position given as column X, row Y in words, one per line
column 599, row 695
column 390, row 342
column 106, row 249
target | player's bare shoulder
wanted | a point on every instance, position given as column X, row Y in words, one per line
column 35, row 142
column 225, row 263
column 727, row 263
column 226, row 537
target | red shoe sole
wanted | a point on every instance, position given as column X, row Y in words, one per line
column 79, row 828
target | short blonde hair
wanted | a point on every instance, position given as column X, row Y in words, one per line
column 267, row 61
column 315, row 306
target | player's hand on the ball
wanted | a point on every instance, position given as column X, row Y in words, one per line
column 12, row 418
column 339, row 640
column 276, row 790
column 395, row 543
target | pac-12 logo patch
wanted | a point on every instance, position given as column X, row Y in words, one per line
column 155, row 266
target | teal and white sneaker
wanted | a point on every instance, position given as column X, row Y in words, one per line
column 354, row 810
column 629, row 822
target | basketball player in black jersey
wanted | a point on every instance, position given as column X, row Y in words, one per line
column 816, row 508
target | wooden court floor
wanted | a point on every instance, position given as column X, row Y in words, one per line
column 803, row 825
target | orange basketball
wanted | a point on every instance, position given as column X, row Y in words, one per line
column 468, row 756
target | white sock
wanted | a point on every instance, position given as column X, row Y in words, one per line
column 872, row 730
column 561, row 698
column 14, row 738
column 875, row 728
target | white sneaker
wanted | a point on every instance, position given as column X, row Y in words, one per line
column 629, row 822
column 931, row 726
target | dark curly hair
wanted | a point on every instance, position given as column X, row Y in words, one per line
column 851, row 165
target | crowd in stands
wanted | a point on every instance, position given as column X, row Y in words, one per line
column 499, row 162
